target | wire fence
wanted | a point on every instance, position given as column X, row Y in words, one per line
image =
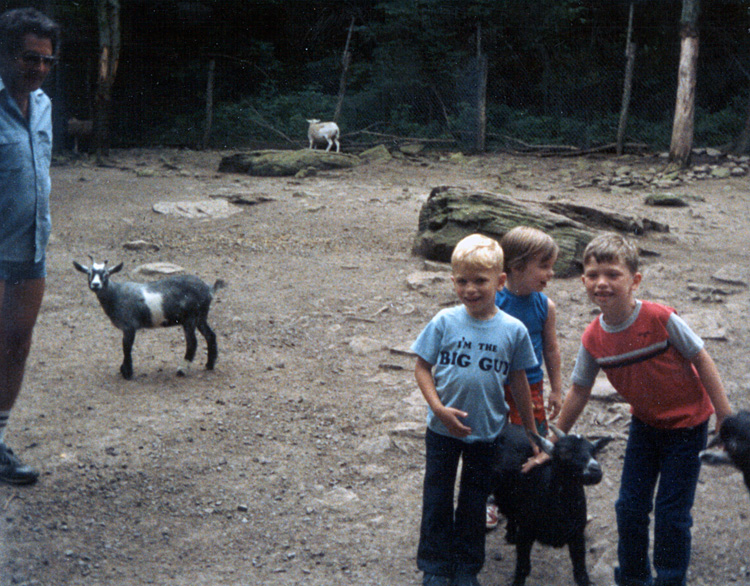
column 564, row 101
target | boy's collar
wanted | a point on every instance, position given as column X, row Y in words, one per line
column 626, row 323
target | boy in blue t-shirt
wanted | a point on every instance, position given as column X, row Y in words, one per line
column 465, row 355
column 530, row 256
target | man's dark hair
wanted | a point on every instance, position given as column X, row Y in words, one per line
column 16, row 24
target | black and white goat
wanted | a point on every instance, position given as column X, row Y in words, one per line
column 547, row 504
column 735, row 437
column 180, row 300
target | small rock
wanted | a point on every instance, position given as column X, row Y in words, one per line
column 707, row 325
column 141, row 245
column 732, row 274
column 157, row 269
column 422, row 280
column 375, row 446
column 376, row 154
column 412, row 429
column 665, row 200
column 362, row 345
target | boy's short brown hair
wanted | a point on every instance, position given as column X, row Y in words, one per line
column 477, row 250
column 524, row 243
column 612, row 247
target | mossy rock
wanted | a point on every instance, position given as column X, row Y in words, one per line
column 275, row 163
column 451, row 213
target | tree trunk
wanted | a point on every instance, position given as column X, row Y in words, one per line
column 109, row 57
column 209, row 103
column 627, row 85
column 346, row 59
column 481, row 132
column 684, row 115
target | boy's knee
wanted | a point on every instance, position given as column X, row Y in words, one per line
column 629, row 507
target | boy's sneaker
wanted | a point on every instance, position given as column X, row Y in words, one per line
column 493, row 515
column 12, row 470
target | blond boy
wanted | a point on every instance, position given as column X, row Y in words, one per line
column 464, row 357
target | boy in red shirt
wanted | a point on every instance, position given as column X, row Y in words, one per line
column 656, row 362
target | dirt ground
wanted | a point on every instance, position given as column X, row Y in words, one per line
column 299, row 459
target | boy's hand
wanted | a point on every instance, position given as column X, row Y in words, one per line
column 554, row 404
column 535, row 461
column 449, row 417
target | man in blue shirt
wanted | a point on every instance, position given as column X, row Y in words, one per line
column 29, row 42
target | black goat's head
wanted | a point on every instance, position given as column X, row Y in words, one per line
column 576, row 456
column 98, row 273
column 735, row 437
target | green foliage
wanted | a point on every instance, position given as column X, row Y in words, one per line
column 555, row 69
column 722, row 127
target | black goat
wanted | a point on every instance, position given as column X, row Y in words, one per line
column 735, row 436
column 180, row 300
column 547, row 504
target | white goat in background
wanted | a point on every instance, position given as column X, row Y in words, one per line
column 323, row 131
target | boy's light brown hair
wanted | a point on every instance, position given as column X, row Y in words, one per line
column 612, row 248
column 524, row 243
column 479, row 251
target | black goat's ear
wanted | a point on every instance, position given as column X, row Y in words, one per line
column 79, row 267
column 115, row 269
column 600, row 444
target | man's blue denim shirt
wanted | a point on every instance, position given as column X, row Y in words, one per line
column 25, row 157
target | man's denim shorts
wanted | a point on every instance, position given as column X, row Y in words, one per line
column 16, row 271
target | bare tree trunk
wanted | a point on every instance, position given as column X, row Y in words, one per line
column 209, row 103
column 109, row 57
column 481, row 135
column 627, row 85
column 346, row 59
column 684, row 115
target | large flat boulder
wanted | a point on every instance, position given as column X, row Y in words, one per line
column 276, row 163
column 450, row 213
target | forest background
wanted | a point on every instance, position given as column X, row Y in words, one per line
column 405, row 68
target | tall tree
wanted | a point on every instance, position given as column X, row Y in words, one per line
column 109, row 58
column 684, row 114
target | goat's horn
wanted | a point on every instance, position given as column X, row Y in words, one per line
column 556, row 431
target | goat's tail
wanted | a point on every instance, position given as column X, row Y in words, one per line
column 219, row 284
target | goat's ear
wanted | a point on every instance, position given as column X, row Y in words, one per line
column 601, row 443
column 115, row 269
column 79, row 267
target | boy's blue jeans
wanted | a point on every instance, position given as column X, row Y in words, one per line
column 671, row 458
column 452, row 543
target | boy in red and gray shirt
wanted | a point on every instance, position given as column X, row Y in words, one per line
column 660, row 366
